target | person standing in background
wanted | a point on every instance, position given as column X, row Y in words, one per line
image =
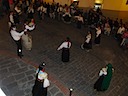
column 80, row 21
column 98, row 35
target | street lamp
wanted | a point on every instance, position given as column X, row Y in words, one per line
column 70, row 91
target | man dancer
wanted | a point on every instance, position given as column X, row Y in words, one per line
column 17, row 38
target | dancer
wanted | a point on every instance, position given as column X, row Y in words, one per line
column 88, row 42
column 65, row 46
column 41, row 82
column 104, row 80
column 98, row 35
column 17, row 38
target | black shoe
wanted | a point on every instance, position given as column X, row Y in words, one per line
column 21, row 56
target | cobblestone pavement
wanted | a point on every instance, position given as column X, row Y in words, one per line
column 82, row 70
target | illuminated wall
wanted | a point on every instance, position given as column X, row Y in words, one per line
column 86, row 3
column 50, row 1
column 62, row 2
column 119, row 5
column 112, row 4
column 99, row 1
column 124, row 7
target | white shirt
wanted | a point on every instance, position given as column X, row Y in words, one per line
column 17, row 10
column 29, row 28
column 102, row 73
column 40, row 8
column 11, row 18
column 67, row 13
column 98, row 32
column 15, row 35
column 79, row 18
column 64, row 45
column 60, row 9
column 121, row 30
column 41, row 76
column 88, row 38
column 30, row 10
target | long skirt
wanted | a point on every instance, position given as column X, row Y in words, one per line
column 38, row 89
column 27, row 41
column 97, row 40
column 79, row 24
column 98, row 83
column 65, row 54
column 67, row 19
column 87, row 45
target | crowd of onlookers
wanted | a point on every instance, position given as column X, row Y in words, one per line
column 68, row 14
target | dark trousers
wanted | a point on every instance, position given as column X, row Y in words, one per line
column 79, row 24
column 19, row 47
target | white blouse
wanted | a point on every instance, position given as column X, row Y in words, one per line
column 121, row 30
column 102, row 72
column 16, row 35
column 29, row 28
column 88, row 38
column 64, row 45
column 98, row 32
column 79, row 18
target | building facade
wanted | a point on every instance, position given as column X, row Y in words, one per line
column 110, row 8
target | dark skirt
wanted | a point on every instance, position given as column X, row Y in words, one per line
column 67, row 18
column 98, row 83
column 97, row 40
column 65, row 54
column 87, row 45
column 38, row 89
column 79, row 23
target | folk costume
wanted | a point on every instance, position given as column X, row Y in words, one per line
column 17, row 38
column 11, row 19
column 107, row 78
column 119, row 33
column 98, row 35
column 66, row 17
column 65, row 46
column 79, row 21
column 27, row 38
column 41, row 84
column 98, row 83
column 41, row 10
column 27, row 41
column 107, row 29
column 88, row 42
column 30, row 12
column 103, row 82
